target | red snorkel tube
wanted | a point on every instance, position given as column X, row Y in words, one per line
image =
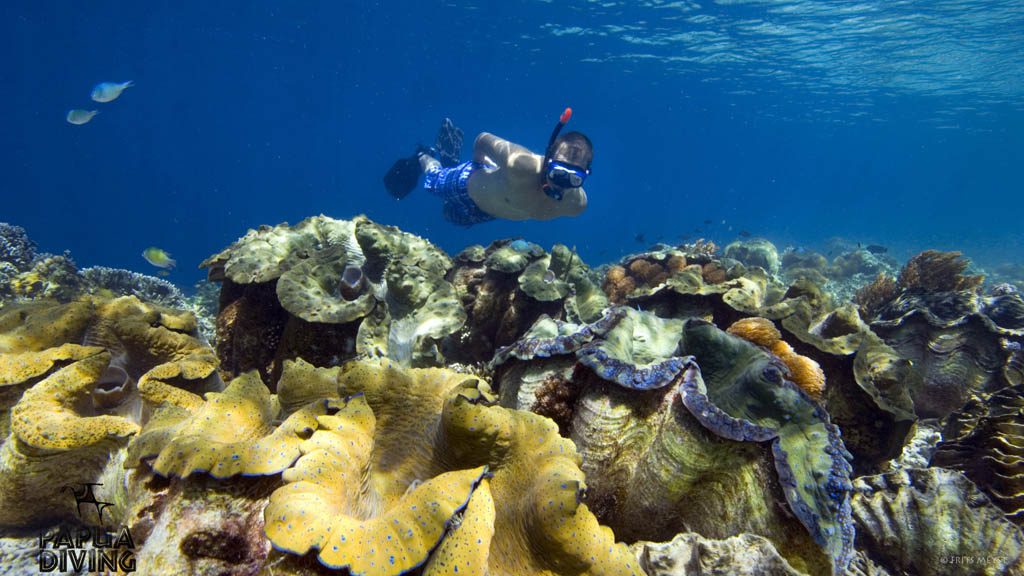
column 562, row 121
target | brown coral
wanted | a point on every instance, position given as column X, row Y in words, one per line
column 556, row 398
column 713, row 273
column 934, row 271
column 617, row 284
column 803, row 371
column 675, row 263
column 872, row 297
column 760, row 331
column 647, row 272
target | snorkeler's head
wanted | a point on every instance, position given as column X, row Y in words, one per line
column 572, row 148
column 568, row 163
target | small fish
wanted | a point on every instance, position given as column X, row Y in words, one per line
column 520, row 245
column 79, row 117
column 744, row 234
column 640, row 238
column 876, row 249
column 109, row 91
column 707, row 222
column 163, row 273
column 158, row 258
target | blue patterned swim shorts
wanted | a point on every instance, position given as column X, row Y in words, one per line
column 451, row 185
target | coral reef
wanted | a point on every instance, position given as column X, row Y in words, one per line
column 676, row 284
column 15, row 247
column 49, row 277
column 860, row 262
column 919, row 521
column 796, row 263
column 127, row 283
column 644, row 271
column 358, row 433
column 984, row 440
column 26, row 275
column 934, row 271
column 871, row 298
column 848, row 272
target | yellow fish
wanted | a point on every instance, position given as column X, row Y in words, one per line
column 79, row 117
column 158, row 258
column 109, row 91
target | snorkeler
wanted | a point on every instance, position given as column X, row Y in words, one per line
column 504, row 179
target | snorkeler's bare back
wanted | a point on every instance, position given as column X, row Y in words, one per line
column 509, row 184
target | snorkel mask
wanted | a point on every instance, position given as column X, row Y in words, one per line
column 560, row 176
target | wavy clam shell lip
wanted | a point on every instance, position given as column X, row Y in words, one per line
column 957, row 341
column 916, row 520
column 985, row 441
column 429, row 441
column 56, row 434
column 345, row 288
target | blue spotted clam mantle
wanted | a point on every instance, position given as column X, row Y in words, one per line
column 746, row 398
column 636, row 350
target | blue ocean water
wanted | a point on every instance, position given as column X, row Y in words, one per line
column 892, row 122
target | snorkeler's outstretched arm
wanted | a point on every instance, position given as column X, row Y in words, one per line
column 489, row 149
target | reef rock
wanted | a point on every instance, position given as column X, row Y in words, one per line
column 742, row 555
column 199, row 525
column 933, row 521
